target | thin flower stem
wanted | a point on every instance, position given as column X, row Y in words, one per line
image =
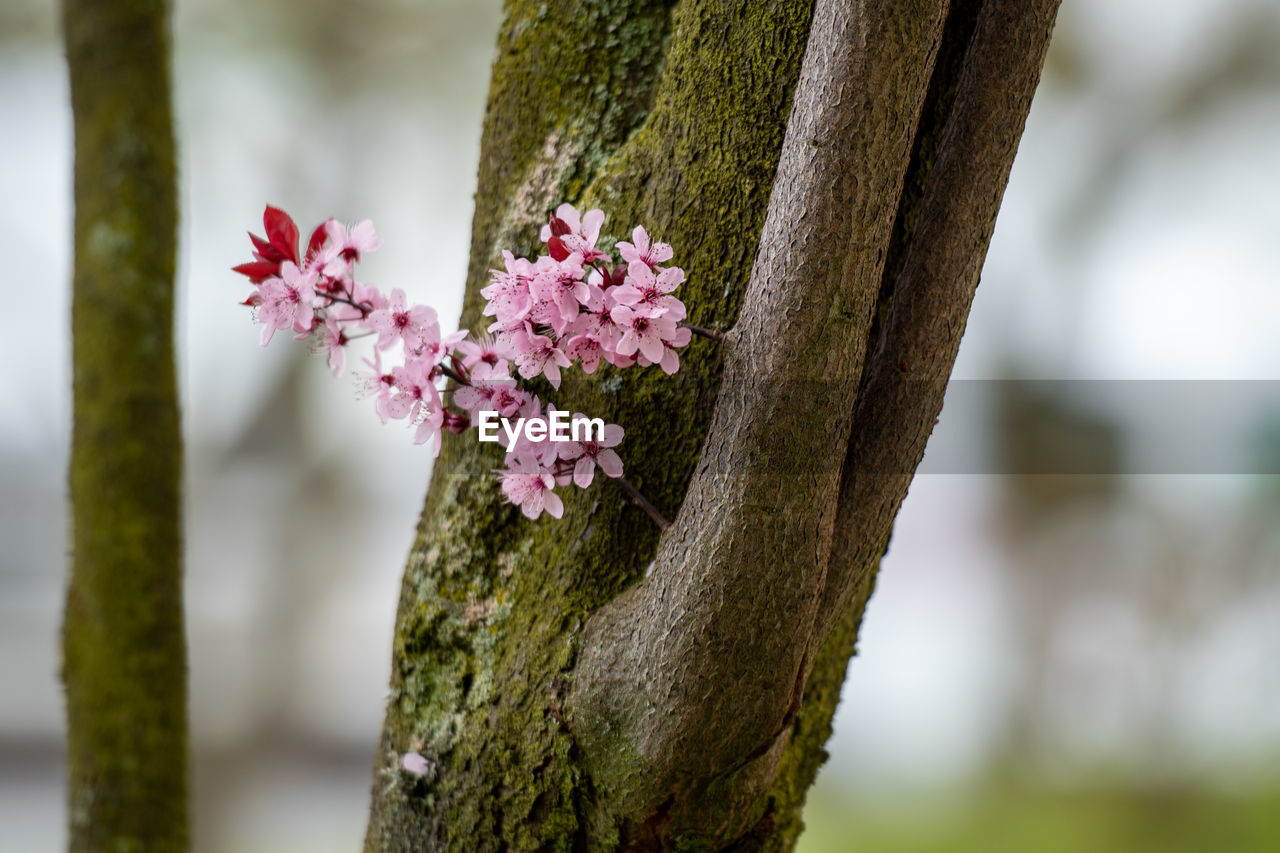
column 333, row 297
column 642, row 502
column 712, row 334
column 455, row 377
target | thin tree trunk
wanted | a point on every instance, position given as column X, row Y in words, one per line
column 565, row 697
column 124, row 655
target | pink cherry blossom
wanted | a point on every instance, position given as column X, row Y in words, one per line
column 529, row 485
column 580, row 233
column 670, row 361
column 429, row 424
column 537, row 355
column 331, row 338
column 490, row 390
column 435, row 351
column 416, row 326
column 544, row 450
column 335, row 248
column 643, row 334
column 485, row 349
column 377, row 384
column 650, row 295
column 353, row 242
column 415, row 396
column 350, row 301
column 642, row 251
column 586, row 350
column 592, row 454
column 286, row 301
column 509, row 300
column 557, row 291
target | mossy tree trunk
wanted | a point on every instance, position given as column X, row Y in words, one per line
column 124, row 653
column 829, row 174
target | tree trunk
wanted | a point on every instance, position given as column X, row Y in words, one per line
column 124, row 654
column 830, row 191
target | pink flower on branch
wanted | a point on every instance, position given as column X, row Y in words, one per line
column 416, row 326
column 349, row 244
column 648, row 335
column 485, row 350
column 648, row 294
column 285, row 301
column 509, row 299
column 529, row 486
column 569, row 232
column 537, row 355
column 574, row 304
column 589, row 455
column 642, row 252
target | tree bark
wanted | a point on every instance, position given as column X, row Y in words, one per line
column 124, row 661
column 565, row 697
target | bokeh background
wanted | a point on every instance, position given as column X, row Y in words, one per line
column 1075, row 643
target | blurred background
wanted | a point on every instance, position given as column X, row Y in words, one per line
column 1075, row 643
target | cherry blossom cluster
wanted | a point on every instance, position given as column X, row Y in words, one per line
column 573, row 304
column 576, row 304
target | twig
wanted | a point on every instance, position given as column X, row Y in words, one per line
column 642, row 502
column 712, row 334
column 461, row 380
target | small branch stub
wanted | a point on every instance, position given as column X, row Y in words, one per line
column 702, row 331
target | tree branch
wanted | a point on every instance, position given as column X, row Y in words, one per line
column 700, row 667
column 903, row 387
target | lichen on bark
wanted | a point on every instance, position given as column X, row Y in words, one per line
column 124, row 655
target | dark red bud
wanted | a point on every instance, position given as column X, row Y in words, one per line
column 456, row 424
column 559, row 227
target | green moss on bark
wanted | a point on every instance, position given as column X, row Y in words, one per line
column 124, row 654
column 671, row 120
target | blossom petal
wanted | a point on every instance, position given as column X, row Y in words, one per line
column 583, row 472
column 610, row 463
column 651, row 346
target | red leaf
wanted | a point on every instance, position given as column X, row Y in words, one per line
column 556, row 247
column 282, row 231
column 317, row 240
column 266, row 251
column 258, row 270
